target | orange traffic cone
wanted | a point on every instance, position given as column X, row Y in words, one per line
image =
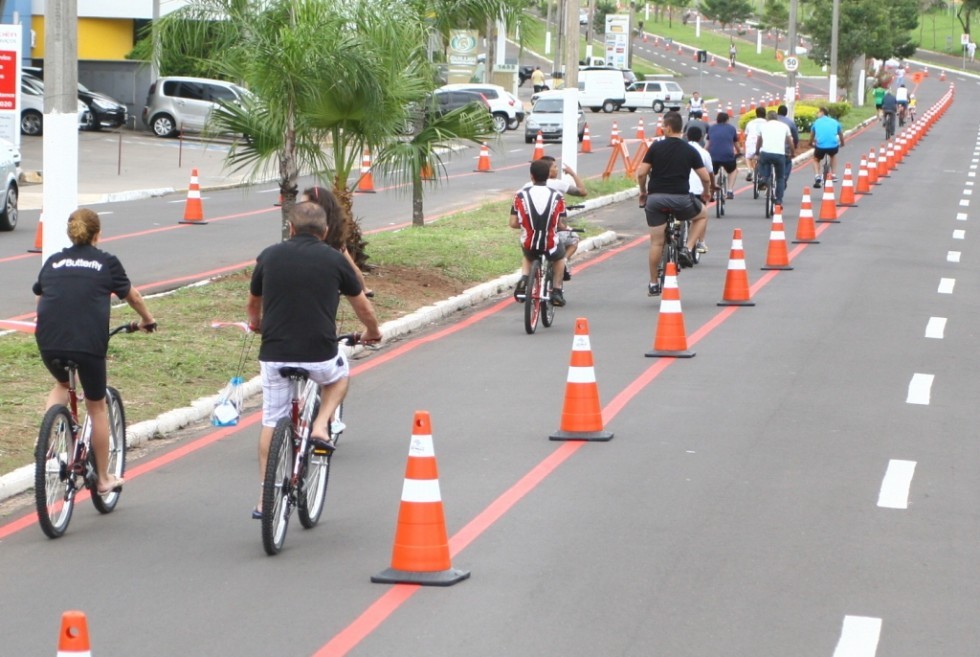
column 890, row 156
column 942, row 75
column 660, row 126
column 586, row 140
column 847, row 199
column 748, row 72
column 427, row 173
column 882, row 163
column 38, row 236
column 365, row 184
column 806, row 232
column 776, row 256
column 483, row 164
column 614, row 135
column 712, row 61
column 581, row 416
column 729, row 111
column 538, row 147
column 421, row 551
column 737, row 279
column 741, row 108
column 864, row 179
column 73, row 639
column 671, row 339
column 872, row 167
column 828, row 205
column 193, row 210
column 640, row 134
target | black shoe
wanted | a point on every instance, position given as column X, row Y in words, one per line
column 684, row 257
column 557, row 298
column 761, row 186
column 520, row 289
column 653, row 290
column 730, row 195
column 567, row 276
column 748, row 177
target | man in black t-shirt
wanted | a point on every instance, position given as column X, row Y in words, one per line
column 668, row 164
column 292, row 301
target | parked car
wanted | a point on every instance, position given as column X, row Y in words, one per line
column 583, row 16
column 655, row 94
column 175, row 104
column 507, row 110
column 546, row 117
column 32, row 107
column 103, row 111
column 441, row 102
column 9, row 168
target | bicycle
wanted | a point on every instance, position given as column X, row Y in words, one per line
column 770, row 191
column 721, row 192
column 64, row 462
column 537, row 294
column 889, row 121
column 675, row 236
column 901, row 116
column 297, row 472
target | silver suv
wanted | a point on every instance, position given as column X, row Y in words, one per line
column 179, row 104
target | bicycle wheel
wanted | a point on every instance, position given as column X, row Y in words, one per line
column 532, row 298
column 547, row 308
column 770, row 199
column 755, row 184
column 314, row 489
column 722, row 188
column 275, row 488
column 117, row 449
column 52, row 495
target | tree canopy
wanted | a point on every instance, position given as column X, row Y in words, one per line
column 727, row 12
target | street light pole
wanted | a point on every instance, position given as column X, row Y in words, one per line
column 791, row 75
column 834, row 30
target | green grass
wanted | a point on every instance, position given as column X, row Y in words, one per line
column 187, row 359
column 939, row 31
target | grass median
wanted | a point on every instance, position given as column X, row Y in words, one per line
column 187, row 359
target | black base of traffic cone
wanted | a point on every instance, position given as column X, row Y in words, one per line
column 669, row 354
column 437, row 578
column 591, row 436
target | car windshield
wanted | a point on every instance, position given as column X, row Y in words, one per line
column 549, row 105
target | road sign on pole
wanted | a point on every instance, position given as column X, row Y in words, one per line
column 791, row 63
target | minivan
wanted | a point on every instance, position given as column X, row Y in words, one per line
column 182, row 104
column 601, row 88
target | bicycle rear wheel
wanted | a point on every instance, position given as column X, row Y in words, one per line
column 755, row 184
column 276, row 488
column 532, row 297
column 770, row 198
column 117, row 449
column 310, row 500
column 722, row 188
column 53, row 497
column 547, row 308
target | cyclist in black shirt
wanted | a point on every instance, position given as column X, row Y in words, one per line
column 292, row 301
column 73, row 290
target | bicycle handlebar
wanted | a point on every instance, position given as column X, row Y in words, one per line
column 578, row 206
column 132, row 327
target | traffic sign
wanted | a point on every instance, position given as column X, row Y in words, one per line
column 791, row 63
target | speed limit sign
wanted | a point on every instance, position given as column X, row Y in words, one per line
column 791, row 63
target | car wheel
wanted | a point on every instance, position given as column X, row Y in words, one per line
column 595, row 109
column 8, row 217
column 608, row 106
column 163, row 125
column 513, row 124
column 499, row 123
column 527, row 139
column 658, row 106
column 581, row 136
column 90, row 122
column 31, row 122
column 632, row 109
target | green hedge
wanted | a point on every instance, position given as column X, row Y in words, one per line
column 805, row 113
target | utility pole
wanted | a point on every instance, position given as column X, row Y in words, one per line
column 834, row 34
column 791, row 75
column 60, row 147
column 569, row 140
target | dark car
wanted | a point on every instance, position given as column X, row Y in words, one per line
column 443, row 101
column 103, row 111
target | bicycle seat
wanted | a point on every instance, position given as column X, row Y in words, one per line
column 64, row 364
column 294, row 373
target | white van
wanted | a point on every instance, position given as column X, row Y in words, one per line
column 601, row 88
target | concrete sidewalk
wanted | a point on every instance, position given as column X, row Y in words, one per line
column 121, row 165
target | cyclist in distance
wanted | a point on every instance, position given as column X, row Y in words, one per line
column 695, row 104
column 723, row 148
column 695, row 121
column 752, row 129
column 663, row 179
column 73, row 290
column 902, row 100
column 782, row 113
column 699, row 224
column 575, row 187
column 537, row 212
column 889, row 109
column 826, row 139
column 773, row 141
column 292, row 301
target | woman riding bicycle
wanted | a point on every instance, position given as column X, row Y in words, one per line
column 73, row 289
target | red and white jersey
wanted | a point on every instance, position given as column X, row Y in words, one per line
column 539, row 210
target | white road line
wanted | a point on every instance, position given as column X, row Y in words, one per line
column 936, row 328
column 858, row 637
column 969, row 183
column 967, row 192
column 952, row 256
column 959, row 234
column 964, row 202
column 894, row 493
column 961, row 216
column 946, row 285
column 920, row 389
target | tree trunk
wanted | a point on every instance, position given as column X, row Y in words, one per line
column 288, row 174
column 355, row 238
column 418, row 219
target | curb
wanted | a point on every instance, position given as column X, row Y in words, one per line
column 22, row 478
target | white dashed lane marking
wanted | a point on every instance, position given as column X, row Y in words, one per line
column 936, row 328
column 920, row 389
column 946, row 285
column 959, row 234
column 961, row 216
column 953, row 256
column 894, row 493
column 858, row 637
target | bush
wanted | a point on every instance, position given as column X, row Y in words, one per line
column 804, row 116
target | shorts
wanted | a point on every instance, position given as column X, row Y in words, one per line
column 276, row 394
column 684, row 206
column 729, row 166
column 91, row 371
column 567, row 238
column 818, row 152
column 557, row 254
column 877, row 106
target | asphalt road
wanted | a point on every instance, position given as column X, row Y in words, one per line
column 750, row 504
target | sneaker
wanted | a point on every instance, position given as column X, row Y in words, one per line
column 557, row 298
column 568, row 273
column 761, row 186
column 701, row 247
column 520, row 289
column 684, row 257
column 730, row 195
column 817, row 181
column 748, row 177
column 653, row 290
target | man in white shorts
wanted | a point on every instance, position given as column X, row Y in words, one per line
column 752, row 130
